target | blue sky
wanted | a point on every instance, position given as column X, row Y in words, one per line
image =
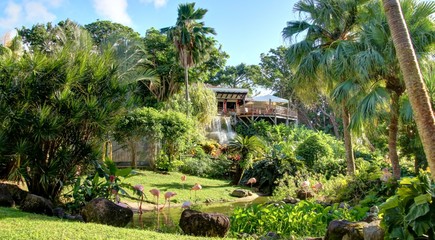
column 245, row 28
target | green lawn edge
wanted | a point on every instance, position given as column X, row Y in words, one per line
column 15, row 224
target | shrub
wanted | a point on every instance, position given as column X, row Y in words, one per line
column 206, row 167
column 410, row 213
column 300, row 220
column 313, row 149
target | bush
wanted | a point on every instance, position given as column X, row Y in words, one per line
column 410, row 213
column 206, row 167
column 300, row 220
column 313, row 149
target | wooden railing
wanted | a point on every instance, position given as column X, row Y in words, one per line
column 261, row 110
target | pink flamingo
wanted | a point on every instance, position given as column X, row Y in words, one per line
column 183, row 179
column 140, row 189
column 195, row 188
column 317, row 187
column 156, row 193
column 168, row 196
column 305, row 184
column 251, row 181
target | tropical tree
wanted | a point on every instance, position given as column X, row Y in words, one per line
column 240, row 76
column 190, row 38
column 104, row 32
column 55, row 108
column 376, row 63
column 247, row 150
column 417, row 91
column 330, row 28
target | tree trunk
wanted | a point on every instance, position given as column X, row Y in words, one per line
column 417, row 91
column 133, row 153
column 238, row 174
column 392, row 134
column 186, row 82
column 350, row 161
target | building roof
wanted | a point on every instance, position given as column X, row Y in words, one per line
column 229, row 93
column 269, row 98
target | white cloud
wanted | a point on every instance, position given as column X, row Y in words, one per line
column 37, row 12
column 114, row 10
column 157, row 3
column 12, row 14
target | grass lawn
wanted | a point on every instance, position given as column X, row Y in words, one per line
column 212, row 190
column 15, row 224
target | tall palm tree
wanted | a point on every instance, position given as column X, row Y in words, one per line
column 413, row 79
column 248, row 148
column 329, row 31
column 190, row 38
column 376, row 62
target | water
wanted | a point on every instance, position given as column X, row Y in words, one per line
column 220, row 130
column 169, row 218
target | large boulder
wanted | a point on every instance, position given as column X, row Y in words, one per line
column 342, row 229
column 6, row 199
column 373, row 231
column 37, row 204
column 8, row 191
column 204, row 224
column 101, row 210
column 241, row 193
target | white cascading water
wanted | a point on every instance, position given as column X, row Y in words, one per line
column 220, row 130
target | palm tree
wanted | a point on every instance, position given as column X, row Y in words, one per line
column 248, row 149
column 376, row 62
column 413, row 79
column 317, row 58
column 190, row 38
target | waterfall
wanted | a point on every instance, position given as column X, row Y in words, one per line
column 220, row 130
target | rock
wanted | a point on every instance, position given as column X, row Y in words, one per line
column 291, row 200
column 6, row 199
column 18, row 194
column 303, row 194
column 101, row 210
column 204, row 224
column 373, row 231
column 59, row 212
column 37, row 204
column 240, row 193
column 342, row 229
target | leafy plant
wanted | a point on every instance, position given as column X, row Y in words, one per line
column 313, row 149
column 300, row 220
column 411, row 212
column 104, row 182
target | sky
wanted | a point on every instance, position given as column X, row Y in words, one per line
column 245, row 28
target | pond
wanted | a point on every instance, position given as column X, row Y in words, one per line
column 169, row 217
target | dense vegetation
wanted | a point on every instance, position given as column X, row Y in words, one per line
column 68, row 91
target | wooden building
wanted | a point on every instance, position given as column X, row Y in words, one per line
column 235, row 103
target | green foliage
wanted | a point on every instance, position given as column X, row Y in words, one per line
column 171, row 128
column 365, row 182
column 240, row 76
column 104, row 182
column 55, row 108
column 300, row 220
column 103, row 32
column 313, row 149
column 202, row 105
column 206, row 167
column 410, row 213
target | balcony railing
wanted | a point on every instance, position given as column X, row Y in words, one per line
column 260, row 111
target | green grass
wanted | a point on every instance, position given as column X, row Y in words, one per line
column 15, row 224
column 212, row 189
